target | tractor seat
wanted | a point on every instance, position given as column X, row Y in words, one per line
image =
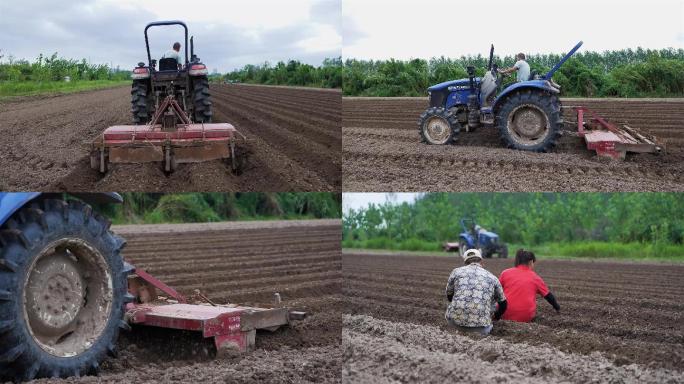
column 168, row 64
column 533, row 75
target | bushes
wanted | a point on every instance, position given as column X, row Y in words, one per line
column 294, row 73
column 654, row 220
column 54, row 68
column 206, row 207
column 624, row 73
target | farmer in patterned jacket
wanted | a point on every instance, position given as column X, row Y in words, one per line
column 473, row 293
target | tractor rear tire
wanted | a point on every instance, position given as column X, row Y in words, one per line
column 503, row 252
column 141, row 107
column 530, row 120
column 201, row 100
column 438, row 126
column 63, row 288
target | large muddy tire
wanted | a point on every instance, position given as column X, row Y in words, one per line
column 503, row 252
column 438, row 126
column 201, row 100
column 530, row 120
column 63, row 287
column 141, row 107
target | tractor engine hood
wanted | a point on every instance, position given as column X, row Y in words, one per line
column 487, row 237
column 460, row 83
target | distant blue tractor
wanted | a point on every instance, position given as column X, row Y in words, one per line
column 527, row 114
column 474, row 236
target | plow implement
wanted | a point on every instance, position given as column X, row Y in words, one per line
column 170, row 138
column 232, row 327
column 611, row 141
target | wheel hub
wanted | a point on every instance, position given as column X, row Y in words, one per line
column 67, row 297
column 528, row 123
column 55, row 294
column 437, row 129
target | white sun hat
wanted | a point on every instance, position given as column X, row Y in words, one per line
column 472, row 253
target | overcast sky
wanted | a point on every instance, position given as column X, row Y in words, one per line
column 403, row 29
column 228, row 34
column 362, row 200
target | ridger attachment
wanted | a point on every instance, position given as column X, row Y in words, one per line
column 232, row 327
column 170, row 138
column 611, row 141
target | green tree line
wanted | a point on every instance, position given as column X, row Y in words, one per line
column 525, row 218
column 55, row 68
column 620, row 73
column 293, row 73
column 152, row 208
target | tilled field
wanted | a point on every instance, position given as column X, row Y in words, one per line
column 382, row 152
column 244, row 263
column 293, row 140
column 619, row 322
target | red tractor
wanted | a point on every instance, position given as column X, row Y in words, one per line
column 172, row 117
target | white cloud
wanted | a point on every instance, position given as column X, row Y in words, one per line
column 381, row 29
column 228, row 34
column 358, row 201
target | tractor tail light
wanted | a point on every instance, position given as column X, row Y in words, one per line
column 140, row 73
column 198, row 70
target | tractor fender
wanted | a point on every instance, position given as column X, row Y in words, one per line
column 467, row 238
column 10, row 202
column 544, row 85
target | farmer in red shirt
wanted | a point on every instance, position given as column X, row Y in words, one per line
column 521, row 285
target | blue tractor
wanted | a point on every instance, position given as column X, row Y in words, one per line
column 63, row 285
column 527, row 113
column 474, row 236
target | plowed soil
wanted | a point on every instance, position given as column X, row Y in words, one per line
column 382, row 152
column 293, row 141
column 243, row 263
column 619, row 322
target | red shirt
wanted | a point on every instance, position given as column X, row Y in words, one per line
column 520, row 285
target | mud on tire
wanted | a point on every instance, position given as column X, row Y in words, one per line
column 530, row 120
column 201, row 100
column 438, row 126
column 140, row 102
column 27, row 240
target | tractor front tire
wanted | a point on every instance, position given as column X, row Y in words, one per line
column 438, row 126
column 140, row 102
column 530, row 120
column 201, row 100
column 63, row 288
column 462, row 247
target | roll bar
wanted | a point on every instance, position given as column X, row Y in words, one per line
column 162, row 23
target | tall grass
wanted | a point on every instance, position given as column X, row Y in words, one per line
column 596, row 249
column 28, row 88
column 586, row 249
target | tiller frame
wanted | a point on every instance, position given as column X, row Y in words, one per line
column 232, row 327
column 613, row 142
column 170, row 137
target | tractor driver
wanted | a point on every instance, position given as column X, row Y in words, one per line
column 520, row 66
column 473, row 293
column 174, row 54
